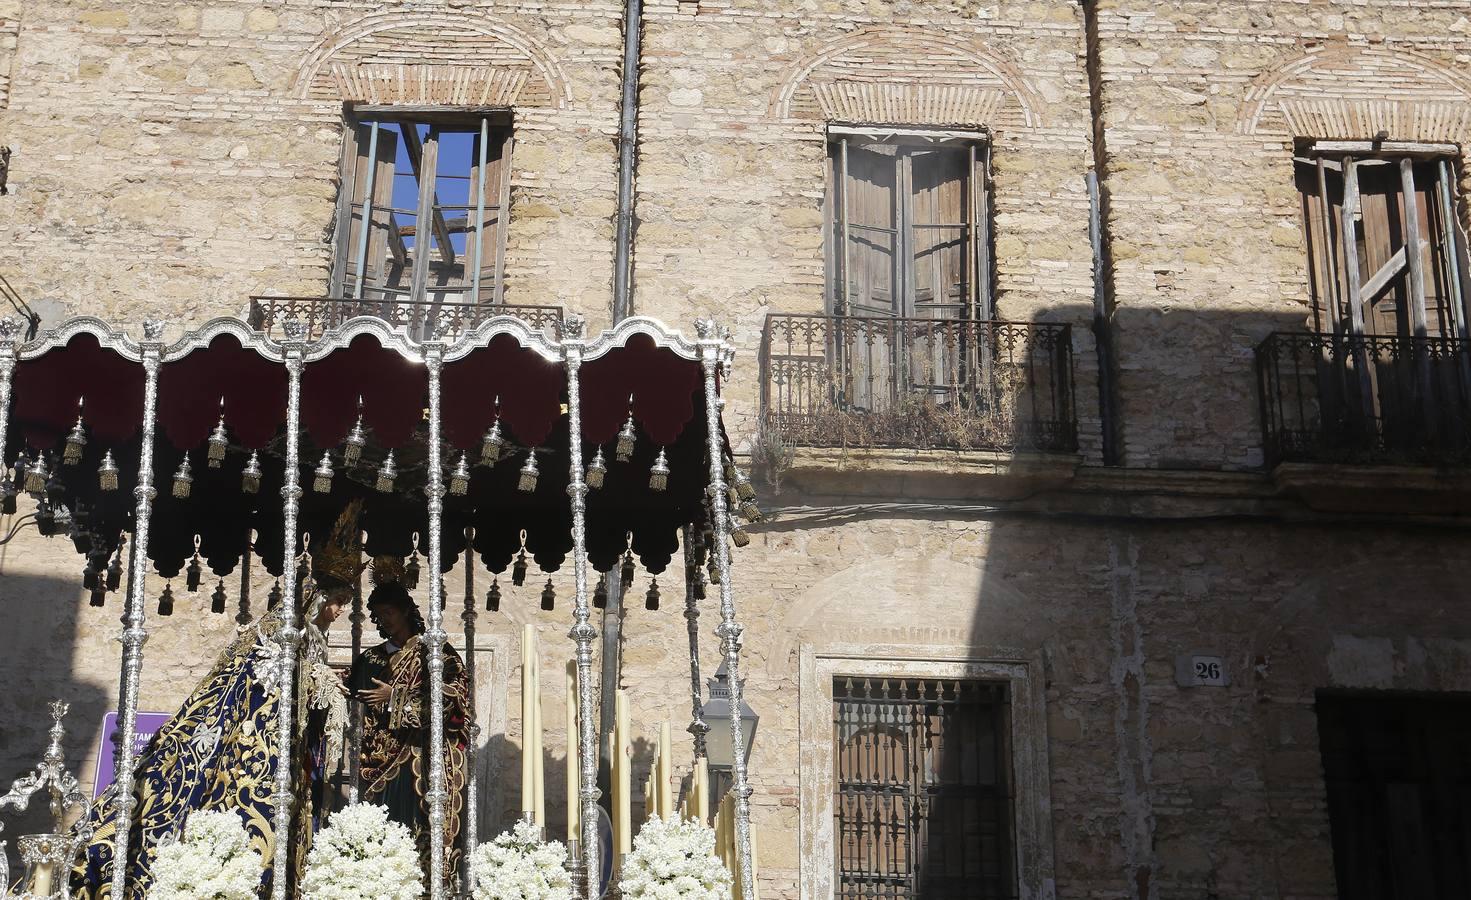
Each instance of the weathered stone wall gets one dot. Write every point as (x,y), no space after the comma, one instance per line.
(173,158)
(183,156)
(1202,102)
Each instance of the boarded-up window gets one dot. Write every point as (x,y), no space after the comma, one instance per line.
(1398,772)
(1372,291)
(922,805)
(432,192)
(908,229)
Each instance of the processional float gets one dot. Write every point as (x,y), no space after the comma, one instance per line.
(460,436)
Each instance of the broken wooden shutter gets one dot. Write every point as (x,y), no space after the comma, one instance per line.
(1380,235)
(371,261)
(485,231)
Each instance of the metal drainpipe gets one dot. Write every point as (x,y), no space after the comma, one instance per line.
(622,307)
(1103,298)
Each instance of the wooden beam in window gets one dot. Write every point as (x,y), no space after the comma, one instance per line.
(1330,250)
(1380,280)
(369,188)
(1352,285)
(1389,148)
(396,244)
(429,152)
(1449,225)
(346,176)
(1412,246)
(502,217)
(425,171)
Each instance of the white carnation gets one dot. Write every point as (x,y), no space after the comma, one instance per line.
(518,865)
(212,861)
(361,855)
(673,859)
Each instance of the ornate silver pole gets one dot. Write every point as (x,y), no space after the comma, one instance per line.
(713,354)
(355,710)
(10,331)
(294,346)
(434,635)
(698,728)
(135,635)
(583,633)
(472,783)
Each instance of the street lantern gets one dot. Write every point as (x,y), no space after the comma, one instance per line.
(716,713)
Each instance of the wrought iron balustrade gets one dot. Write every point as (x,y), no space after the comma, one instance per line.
(417,317)
(846,381)
(1365,399)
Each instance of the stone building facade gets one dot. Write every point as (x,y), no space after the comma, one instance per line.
(172,158)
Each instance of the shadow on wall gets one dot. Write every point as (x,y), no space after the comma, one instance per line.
(38,648)
(1098,607)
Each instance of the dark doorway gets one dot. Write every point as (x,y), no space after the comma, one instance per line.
(1398,771)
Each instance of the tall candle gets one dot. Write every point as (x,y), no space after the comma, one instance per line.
(41,879)
(666,770)
(574,758)
(624,816)
(702,794)
(528,722)
(538,758)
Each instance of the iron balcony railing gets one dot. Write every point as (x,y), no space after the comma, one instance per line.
(961,384)
(1365,399)
(417,317)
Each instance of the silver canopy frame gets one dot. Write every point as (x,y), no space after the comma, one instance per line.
(713,351)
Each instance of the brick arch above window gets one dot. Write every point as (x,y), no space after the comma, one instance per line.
(905,76)
(476,62)
(1354,92)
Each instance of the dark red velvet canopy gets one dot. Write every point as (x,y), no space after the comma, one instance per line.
(240,375)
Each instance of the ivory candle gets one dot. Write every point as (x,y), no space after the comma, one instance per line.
(574,759)
(702,794)
(624,816)
(666,770)
(528,721)
(41,880)
(538,759)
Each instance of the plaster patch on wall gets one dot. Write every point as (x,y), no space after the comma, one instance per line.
(1361,662)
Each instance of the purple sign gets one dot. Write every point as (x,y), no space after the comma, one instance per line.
(148,723)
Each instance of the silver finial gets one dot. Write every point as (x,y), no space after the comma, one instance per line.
(707,329)
(574,327)
(294,329)
(153,329)
(10,328)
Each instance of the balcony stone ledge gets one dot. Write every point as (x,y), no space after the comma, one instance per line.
(1332,487)
(928,474)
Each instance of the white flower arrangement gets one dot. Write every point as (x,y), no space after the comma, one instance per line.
(518,865)
(212,861)
(673,859)
(361,855)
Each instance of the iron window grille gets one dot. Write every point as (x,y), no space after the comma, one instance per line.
(923,805)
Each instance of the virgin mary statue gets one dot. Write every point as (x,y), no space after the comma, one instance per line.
(218,752)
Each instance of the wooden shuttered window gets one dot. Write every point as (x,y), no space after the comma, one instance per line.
(435,223)
(1374,290)
(909,233)
(908,243)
